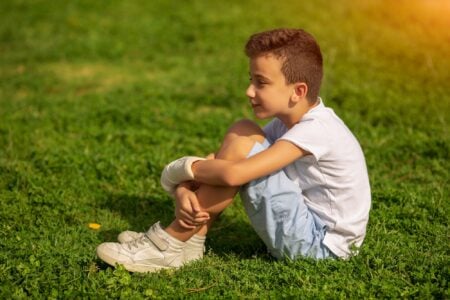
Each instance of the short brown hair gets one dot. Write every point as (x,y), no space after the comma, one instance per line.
(302,59)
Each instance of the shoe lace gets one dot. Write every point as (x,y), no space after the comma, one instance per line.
(141,241)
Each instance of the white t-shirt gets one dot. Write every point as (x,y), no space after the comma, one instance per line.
(333,179)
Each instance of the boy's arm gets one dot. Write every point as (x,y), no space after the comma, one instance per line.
(236,173)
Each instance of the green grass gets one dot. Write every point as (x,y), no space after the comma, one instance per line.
(96,96)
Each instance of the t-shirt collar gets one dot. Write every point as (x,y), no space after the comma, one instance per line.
(318,106)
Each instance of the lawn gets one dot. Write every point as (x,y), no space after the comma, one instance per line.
(97,96)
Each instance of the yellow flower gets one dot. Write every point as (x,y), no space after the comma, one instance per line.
(94,226)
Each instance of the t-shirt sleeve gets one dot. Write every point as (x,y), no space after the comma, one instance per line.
(310,135)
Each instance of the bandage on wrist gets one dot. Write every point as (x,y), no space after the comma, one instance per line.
(178,171)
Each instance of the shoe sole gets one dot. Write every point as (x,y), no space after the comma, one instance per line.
(135,268)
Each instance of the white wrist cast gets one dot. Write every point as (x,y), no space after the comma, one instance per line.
(178,171)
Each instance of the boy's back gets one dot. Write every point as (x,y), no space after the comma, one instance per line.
(333,179)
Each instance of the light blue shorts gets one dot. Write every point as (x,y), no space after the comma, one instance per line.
(280,217)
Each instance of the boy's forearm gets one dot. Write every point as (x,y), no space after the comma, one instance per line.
(213,172)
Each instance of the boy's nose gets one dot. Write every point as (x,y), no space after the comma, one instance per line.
(250,92)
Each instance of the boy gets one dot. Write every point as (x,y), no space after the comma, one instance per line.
(302,178)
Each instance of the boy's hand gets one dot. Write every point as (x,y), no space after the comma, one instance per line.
(178,171)
(187,208)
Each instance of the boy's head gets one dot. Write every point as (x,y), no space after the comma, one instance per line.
(299,52)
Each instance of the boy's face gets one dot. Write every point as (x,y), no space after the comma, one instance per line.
(268,92)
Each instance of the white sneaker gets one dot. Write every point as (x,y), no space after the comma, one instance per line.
(194,249)
(128,236)
(152,251)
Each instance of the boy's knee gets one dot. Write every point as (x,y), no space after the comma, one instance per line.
(246,128)
(237,149)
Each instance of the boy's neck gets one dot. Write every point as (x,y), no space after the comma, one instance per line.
(297,114)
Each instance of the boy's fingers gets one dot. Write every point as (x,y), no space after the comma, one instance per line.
(186,216)
(200,220)
(183,214)
(185,225)
(202,214)
(187,206)
(194,203)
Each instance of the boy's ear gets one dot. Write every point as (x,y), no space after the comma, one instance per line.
(300,91)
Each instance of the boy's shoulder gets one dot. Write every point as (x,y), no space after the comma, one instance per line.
(312,120)
(320,132)
(320,124)
(323,118)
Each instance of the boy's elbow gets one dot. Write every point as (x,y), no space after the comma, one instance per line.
(231,177)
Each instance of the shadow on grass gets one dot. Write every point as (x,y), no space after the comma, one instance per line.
(230,235)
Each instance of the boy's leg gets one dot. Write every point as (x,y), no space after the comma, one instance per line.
(277,211)
(236,145)
(158,248)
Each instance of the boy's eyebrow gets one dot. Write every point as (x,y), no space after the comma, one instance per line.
(259,76)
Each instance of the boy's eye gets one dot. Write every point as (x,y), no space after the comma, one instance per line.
(257,81)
